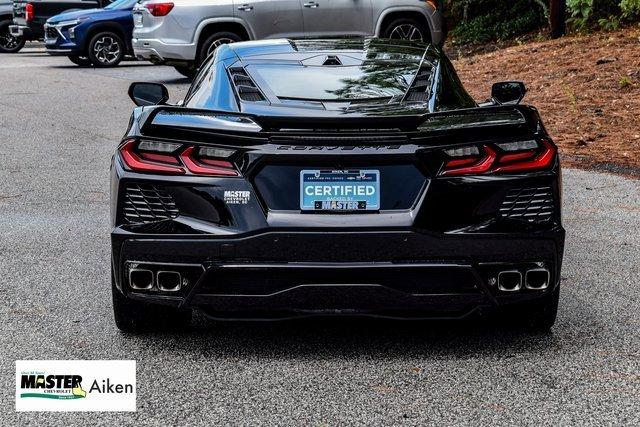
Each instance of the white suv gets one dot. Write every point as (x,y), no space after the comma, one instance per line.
(183,33)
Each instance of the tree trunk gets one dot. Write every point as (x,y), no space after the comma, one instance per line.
(557,17)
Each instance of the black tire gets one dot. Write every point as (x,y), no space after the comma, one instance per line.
(81,61)
(211,42)
(406,29)
(8,43)
(135,316)
(187,71)
(106,49)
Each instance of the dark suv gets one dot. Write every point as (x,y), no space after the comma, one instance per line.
(99,37)
(30,16)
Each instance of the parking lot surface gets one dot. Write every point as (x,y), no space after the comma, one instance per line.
(59,125)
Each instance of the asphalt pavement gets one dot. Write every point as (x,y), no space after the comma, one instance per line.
(59,125)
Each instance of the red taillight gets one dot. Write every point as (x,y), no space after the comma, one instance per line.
(28,12)
(173,159)
(205,166)
(138,163)
(471,166)
(518,157)
(159,9)
(534,161)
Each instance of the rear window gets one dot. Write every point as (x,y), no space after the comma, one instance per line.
(325,83)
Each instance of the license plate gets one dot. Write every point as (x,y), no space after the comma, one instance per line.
(340,190)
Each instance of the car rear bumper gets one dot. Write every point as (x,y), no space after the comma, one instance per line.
(284,274)
(158,52)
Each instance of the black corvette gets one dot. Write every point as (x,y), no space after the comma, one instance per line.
(348,177)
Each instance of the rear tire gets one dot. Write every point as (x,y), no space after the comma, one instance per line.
(106,49)
(81,61)
(135,316)
(9,43)
(406,29)
(212,42)
(187,71)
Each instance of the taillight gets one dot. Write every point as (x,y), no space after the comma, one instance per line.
(511,157)
(159,9)
(176,159)
(28,12)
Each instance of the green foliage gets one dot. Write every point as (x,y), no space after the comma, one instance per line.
(606,14)
(624,82)
(609,24)
(581,13)
(480,21)
(630,9)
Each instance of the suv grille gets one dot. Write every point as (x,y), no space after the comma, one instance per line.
(51,33)
(147,203)
(245,87)
(534,204)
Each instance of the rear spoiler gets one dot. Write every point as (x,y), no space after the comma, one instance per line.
(155,119)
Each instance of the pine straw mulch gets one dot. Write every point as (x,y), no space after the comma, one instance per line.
(587,89)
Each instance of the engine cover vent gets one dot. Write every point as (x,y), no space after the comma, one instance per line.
(246,88)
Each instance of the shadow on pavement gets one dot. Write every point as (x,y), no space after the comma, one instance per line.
(351,338)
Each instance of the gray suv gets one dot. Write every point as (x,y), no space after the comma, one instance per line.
(8,43)
(183,33)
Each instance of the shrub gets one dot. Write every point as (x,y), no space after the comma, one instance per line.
(480,21)
(630,9)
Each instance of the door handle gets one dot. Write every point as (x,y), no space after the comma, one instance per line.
(245,7)
(312,5)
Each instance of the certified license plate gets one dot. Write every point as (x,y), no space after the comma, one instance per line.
(340,190)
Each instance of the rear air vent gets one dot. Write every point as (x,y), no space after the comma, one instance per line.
(420,89)
(245,86)
(332,60)
(147,203)
(534,204)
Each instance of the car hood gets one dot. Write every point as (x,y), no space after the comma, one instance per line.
(76,14)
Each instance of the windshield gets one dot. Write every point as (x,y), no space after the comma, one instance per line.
(122,5)
(375,79)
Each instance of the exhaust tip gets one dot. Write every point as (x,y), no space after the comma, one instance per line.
(537,279)
(510,281)
(169,281)
(140,279)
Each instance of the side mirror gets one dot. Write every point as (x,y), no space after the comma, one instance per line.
(143,94)
(508,93)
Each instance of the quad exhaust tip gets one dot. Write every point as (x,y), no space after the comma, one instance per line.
(169,281)
(510,281)
(141,279)
(534,279)
(537,279)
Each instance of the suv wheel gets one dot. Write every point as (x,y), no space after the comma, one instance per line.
(405,29)
(9,43)
(106,49)
(135,316)
(81,61)
(213,41)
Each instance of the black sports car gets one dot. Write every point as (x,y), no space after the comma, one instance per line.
(334,177)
